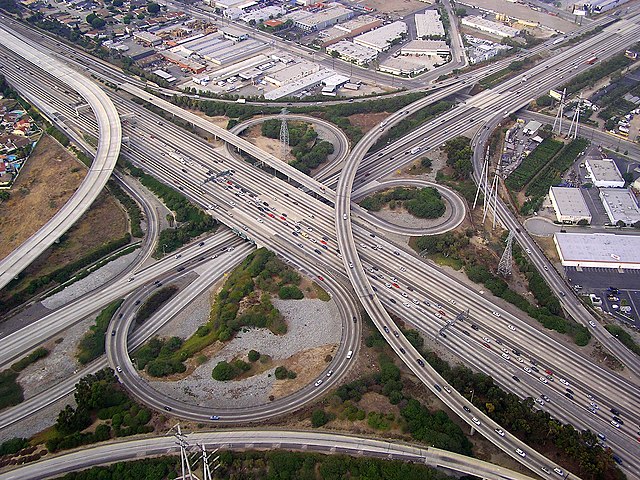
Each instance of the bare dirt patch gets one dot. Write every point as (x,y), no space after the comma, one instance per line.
(397,7)
(254,135)
(307,365)
(366,121)
(45,184)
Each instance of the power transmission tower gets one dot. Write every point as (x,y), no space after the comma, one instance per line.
(560,113)
(185,461)
(504,267)
(575,121)
(284,135)
(484,179)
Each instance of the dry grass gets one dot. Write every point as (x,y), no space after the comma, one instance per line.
(45,184)
(366,121)
(308,365)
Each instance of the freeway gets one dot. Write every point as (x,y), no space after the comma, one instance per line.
(317,441)
(99,172)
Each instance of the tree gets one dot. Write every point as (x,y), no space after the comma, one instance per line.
(281,373)
(153,8)
(319,418)
(224,371)
(253,356)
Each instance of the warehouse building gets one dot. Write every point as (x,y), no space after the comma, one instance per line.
(262,14)
(494,28)
(531,128)
(620,205)
(598,250)
(349,29)
(218,49)
(382,38)
(353,53)
(296,86)
(569,205)
(426,48)
(429,25)
(604,173)
(325,18)
(404,66)
(147,39)
(292,73)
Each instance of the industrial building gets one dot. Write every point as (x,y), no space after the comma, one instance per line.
(598,250)
(597,6)
(620,205)
(291,73)
(382,38)
(331,15)
(569,205)
(429,25)
(296,86)
(349,29)
(493,28)
(353,53)
(147,39)
(222,5)
(218,48)
(532,127)
(262,14)
(183,62)
(428,48)
(404,66)
(234,34)
(604,173)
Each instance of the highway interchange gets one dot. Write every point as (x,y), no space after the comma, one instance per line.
(363,251)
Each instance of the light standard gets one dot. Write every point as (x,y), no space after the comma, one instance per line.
(472,392)
(164,245)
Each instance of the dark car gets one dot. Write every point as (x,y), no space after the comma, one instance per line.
(385,328)
(466,332)
(443,335)
(516,378)
(113,333)
(615,411)
(437,387)
(619,420)
(420,362)
(355,320)
(180,269)
(466,409)
(137,302)
(475,327)
(168,409)
(402,350)
(568,395)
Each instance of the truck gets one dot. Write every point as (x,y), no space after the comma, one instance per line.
(558,40)
(241,100)
(592,60)
(414,150)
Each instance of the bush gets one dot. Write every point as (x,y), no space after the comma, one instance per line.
(154,302)
(13,445)
(290,292)
(280,373)
(33,357)
(253,356)
(92,343)
(223,372)
(11,392)
(319,418)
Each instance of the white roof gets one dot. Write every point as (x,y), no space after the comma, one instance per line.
(489,26)
(297,85)
(429,24)
(570,201)
(381,37)
(622,205)
(335,80)
(357,52)
(426,46)
(598,248)
(604,170)
(358,22)
(532,126)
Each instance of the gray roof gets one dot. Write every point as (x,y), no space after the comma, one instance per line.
(599,247)
(570,201)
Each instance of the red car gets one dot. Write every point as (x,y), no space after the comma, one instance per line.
(395,285)
(271,215)
(283,219)
(323,242)
(441,312)
(321,278)
(487,345)
(548,372)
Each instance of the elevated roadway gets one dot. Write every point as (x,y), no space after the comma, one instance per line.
(108,148)
(315,441)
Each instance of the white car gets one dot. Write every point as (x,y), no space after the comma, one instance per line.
(404,294)
(417,302)
(388,285)
(329,373)
(318,383)
(447,389)
(500,432)
(512,328)
(495,314)
(615,424)
(118,369)
(540,401)
(592,323)
(402,269)
(437,315)
(527,369)
(506,356)
(559,471)
(520,359)
(563,381)
(521,453)
(528,250)
(486,339)
(452,301)
(407,305)
(594,405)
(350,264)
(475,420)
(543,380)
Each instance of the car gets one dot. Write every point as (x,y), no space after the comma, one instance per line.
(350,264)
(385,328)
(475,420)
(447,389)
(506,356)
(544,397)
(396,252)
(569,391)
(512,328)
(475,327)
(318,383)
(515,378)
(540,401)
(568,395)
(521,453)
(443,335)
(498,341)
(535,369)
(615,424)
(602,437)
(329,373)
(118,369)
(548,372)
(180,269)
(466,332)
(393,300)
(214,417)
(321,278)
(543,380)
(403,351)
(619,420)
(437,387)
(593,410)
(406,304)
(495,314)
(344,216)
(615,411)
(466,409)
(395,285)
(528,250)
(617,459)
(546,470)
(405,294)
(559,471)
(486,345)
(563,381)
(168,409)
(355,320)
(137,302)
(499,431)
(486,339)
(388,285)
(527,369)
(420,362)
(201,244)
(417,302)
(396,334)
(592,323)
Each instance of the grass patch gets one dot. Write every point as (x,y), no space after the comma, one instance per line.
(133,210)
(92,344)
(154,302)
(30,359)
(321,293)
(624,337)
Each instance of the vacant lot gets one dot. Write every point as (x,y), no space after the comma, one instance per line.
(47,181)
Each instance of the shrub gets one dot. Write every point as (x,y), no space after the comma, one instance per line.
(224,371)
(319,418)
(253,356)
(281,373)
(290,292)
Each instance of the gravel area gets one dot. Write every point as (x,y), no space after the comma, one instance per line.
(185,323)
(59,364)
(311,323)
(37,422)
(92,281)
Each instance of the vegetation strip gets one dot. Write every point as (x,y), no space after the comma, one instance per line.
(92,344)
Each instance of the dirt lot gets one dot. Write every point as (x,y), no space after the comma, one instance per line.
(394,7)
(103,222)
(47,181)
(366,121)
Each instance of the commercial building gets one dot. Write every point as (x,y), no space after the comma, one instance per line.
(147,39)
(382,38)
(598,250)
(234,34)
(331,15)
(292,73)
(598,6)
(532,127)
(225,4)
(262,14)
(349,29)
(493,28)
(620,205)
(183,62)
(353,53)
(569,205)
(604,173)
(404,66)
(296,86)
(428,48)
(218,48)
(429,25)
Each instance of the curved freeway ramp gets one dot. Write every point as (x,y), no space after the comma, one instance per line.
(261,439)
(110,135)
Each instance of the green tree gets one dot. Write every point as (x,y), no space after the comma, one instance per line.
(253,355)
(319,418)
(153,8)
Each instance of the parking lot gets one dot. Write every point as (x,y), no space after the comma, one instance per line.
(598,280)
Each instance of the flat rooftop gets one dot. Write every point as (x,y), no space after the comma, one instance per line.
(621,204)
(604,248)
(570,201)
(604,170)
